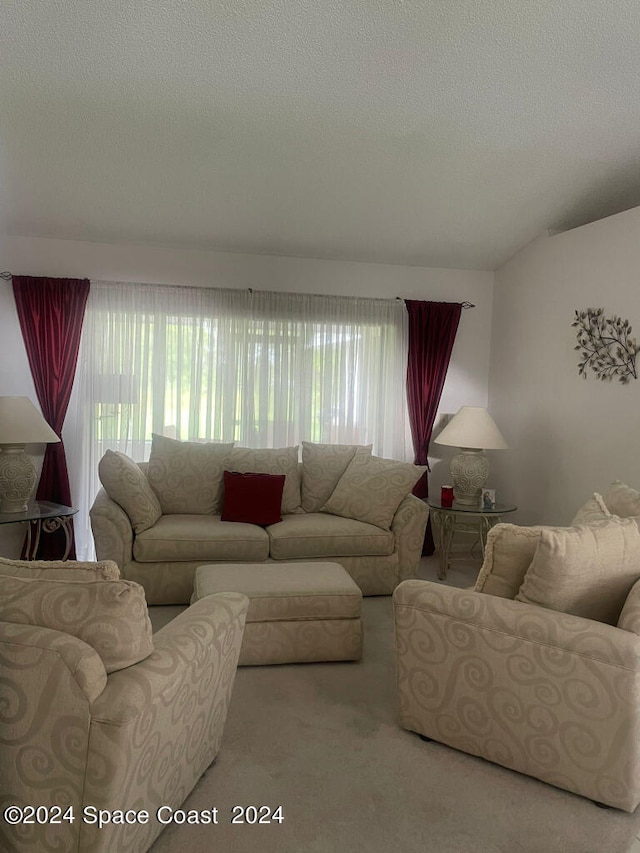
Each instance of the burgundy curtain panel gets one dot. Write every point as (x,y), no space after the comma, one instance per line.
(51,312)
(432,332)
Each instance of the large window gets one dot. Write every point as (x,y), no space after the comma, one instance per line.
(258,368)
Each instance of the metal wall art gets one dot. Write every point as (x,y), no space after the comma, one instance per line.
(605,345)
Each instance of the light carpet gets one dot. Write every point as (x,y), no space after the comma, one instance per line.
(323,741)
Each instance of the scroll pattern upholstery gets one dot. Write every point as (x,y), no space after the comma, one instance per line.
(187,475)
(170,582)
(408,526)
(548,694)
(53,570)
(143,742)
(317,534)
(279,460)
(112,532)
(42,752)
(110,616)
(129,487)
(373,488)
(304,641)
(322,467)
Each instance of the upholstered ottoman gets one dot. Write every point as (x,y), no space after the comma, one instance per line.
(298,612)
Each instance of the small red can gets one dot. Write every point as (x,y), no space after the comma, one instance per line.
(446,496)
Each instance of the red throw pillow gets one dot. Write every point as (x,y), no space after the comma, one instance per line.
(253,498)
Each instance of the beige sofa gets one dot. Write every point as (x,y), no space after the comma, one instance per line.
(538,667)
(100,714)
(162,520)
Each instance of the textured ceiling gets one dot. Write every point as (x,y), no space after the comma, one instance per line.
(447,133)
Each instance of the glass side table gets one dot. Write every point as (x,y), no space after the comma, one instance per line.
(42,516)
(462,519)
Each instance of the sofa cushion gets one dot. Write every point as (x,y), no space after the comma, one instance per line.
(372,489)
(252,498)
(509,552)
(622,500)
(280,460)
(187,475)
(322,467)
(180,538)
(59,570)
(318,534)
(587,571)
(125,484)
(110,616)
(593,511)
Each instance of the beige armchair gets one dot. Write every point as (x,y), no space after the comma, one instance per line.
(85,729)
(551,695)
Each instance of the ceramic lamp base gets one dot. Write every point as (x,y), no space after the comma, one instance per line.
(469,472)
(17,478)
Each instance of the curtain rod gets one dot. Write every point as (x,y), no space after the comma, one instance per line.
(464,304)
(7,276)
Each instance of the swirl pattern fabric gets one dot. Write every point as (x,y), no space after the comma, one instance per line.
(110,616)
(143,741)
(279,460)
(129,487)
(166,581)
(372,488)
(59,570)
(508,554)
(322,467)
(548,694)
(187,475)
(308,611)
(587,570)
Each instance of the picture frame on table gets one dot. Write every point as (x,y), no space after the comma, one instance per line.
(488,499)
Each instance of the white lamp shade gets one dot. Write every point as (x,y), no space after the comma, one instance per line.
(22,423)
(472,427)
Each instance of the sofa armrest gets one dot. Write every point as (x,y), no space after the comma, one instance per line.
(112,531)
(408,526)
(549,694)
(48,681)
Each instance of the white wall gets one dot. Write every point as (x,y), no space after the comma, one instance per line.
(568,436)
(468,377)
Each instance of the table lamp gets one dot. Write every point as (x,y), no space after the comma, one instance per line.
(20,424)
(473,430)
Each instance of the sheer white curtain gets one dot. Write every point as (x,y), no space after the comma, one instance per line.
(262,369)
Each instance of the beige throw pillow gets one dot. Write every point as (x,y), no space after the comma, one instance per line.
(593,511)
(278,460)
(587,571)
(622,500)
(508,554)
(372,489)
(125,484)
(322,467)
(110,616)
(187,476)
(59,570)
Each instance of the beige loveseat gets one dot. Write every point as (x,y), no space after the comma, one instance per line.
(98,713)
(160,520)
(538,667)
